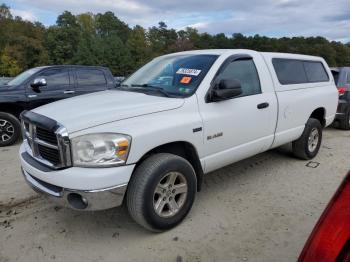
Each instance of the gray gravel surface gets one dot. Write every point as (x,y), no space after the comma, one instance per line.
(260,209)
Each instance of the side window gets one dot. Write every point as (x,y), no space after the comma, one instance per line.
(245,72)
(91,77)
(55,77)
(290,71)
(315,72)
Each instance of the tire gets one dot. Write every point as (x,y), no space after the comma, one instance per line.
(301,147)
(142,197)
(345,123)
(10,129)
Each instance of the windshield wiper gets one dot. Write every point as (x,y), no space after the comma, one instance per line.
(152,88)
(140,88)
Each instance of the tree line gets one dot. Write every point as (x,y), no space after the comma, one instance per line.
(103,39)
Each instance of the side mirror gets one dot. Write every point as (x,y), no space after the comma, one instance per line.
(118,80)
(38,82)
(225,89)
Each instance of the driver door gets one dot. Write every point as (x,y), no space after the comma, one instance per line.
(241,126)
(58,87)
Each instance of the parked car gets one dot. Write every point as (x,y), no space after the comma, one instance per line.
(43,85)
(149,145)
(342,80)
(330,239)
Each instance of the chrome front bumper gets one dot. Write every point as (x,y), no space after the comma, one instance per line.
(78,199)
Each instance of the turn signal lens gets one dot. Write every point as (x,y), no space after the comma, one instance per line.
(122,149)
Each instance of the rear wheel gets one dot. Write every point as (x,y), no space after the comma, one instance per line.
(10,129)
(345,123)
(308,145)
(161,192)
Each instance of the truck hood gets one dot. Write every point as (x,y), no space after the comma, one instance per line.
(95,109)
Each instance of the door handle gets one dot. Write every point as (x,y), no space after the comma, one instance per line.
(32,96)
(263,105)
(69,92)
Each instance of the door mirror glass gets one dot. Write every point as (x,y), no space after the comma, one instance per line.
(39,82)
(225,89)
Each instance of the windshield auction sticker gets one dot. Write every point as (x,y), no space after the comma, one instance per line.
(185,80)
(188,71)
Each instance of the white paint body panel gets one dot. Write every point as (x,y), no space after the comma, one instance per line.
(246,129)
(298,101)
(94,109)
(152,121)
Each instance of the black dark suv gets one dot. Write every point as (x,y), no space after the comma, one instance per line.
(43,85)
(342,80)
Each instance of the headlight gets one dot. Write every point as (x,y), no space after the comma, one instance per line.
(100,150)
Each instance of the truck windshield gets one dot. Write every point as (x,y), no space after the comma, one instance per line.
(173,76)
(22,77)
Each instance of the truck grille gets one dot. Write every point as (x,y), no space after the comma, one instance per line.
(49,154)
(48,145)
(46,136)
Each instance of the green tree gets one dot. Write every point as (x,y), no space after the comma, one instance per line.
(87,50)
(108,23)
(138,46)
(115,54)
(61,40)
(21,42)
(161,38)
(8,65)
(87,23)
(5,12)
(103,39)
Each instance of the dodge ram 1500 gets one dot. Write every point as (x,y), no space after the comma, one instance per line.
(149,142)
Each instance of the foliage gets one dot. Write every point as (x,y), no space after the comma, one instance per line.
(8,64)
(103,39)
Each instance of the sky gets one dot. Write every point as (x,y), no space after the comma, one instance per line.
(273,18)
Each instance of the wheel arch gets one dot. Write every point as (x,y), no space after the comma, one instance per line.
(183,149)
(11,108)
(320,115)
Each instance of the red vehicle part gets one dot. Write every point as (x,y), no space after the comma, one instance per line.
(330,239)
(341,90)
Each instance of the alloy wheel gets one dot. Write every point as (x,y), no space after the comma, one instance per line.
(313,139)
(7,130)
(170,194)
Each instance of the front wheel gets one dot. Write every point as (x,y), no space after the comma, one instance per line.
(161,191)
(10,129)
(308,145)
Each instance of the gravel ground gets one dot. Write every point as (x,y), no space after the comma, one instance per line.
(260,209)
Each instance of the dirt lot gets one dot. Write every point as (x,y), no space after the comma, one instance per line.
(260,209)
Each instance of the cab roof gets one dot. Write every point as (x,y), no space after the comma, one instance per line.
(77,66)
(248,51)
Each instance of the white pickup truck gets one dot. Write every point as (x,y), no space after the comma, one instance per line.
(149,142)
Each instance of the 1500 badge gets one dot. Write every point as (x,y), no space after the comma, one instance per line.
(215,136)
